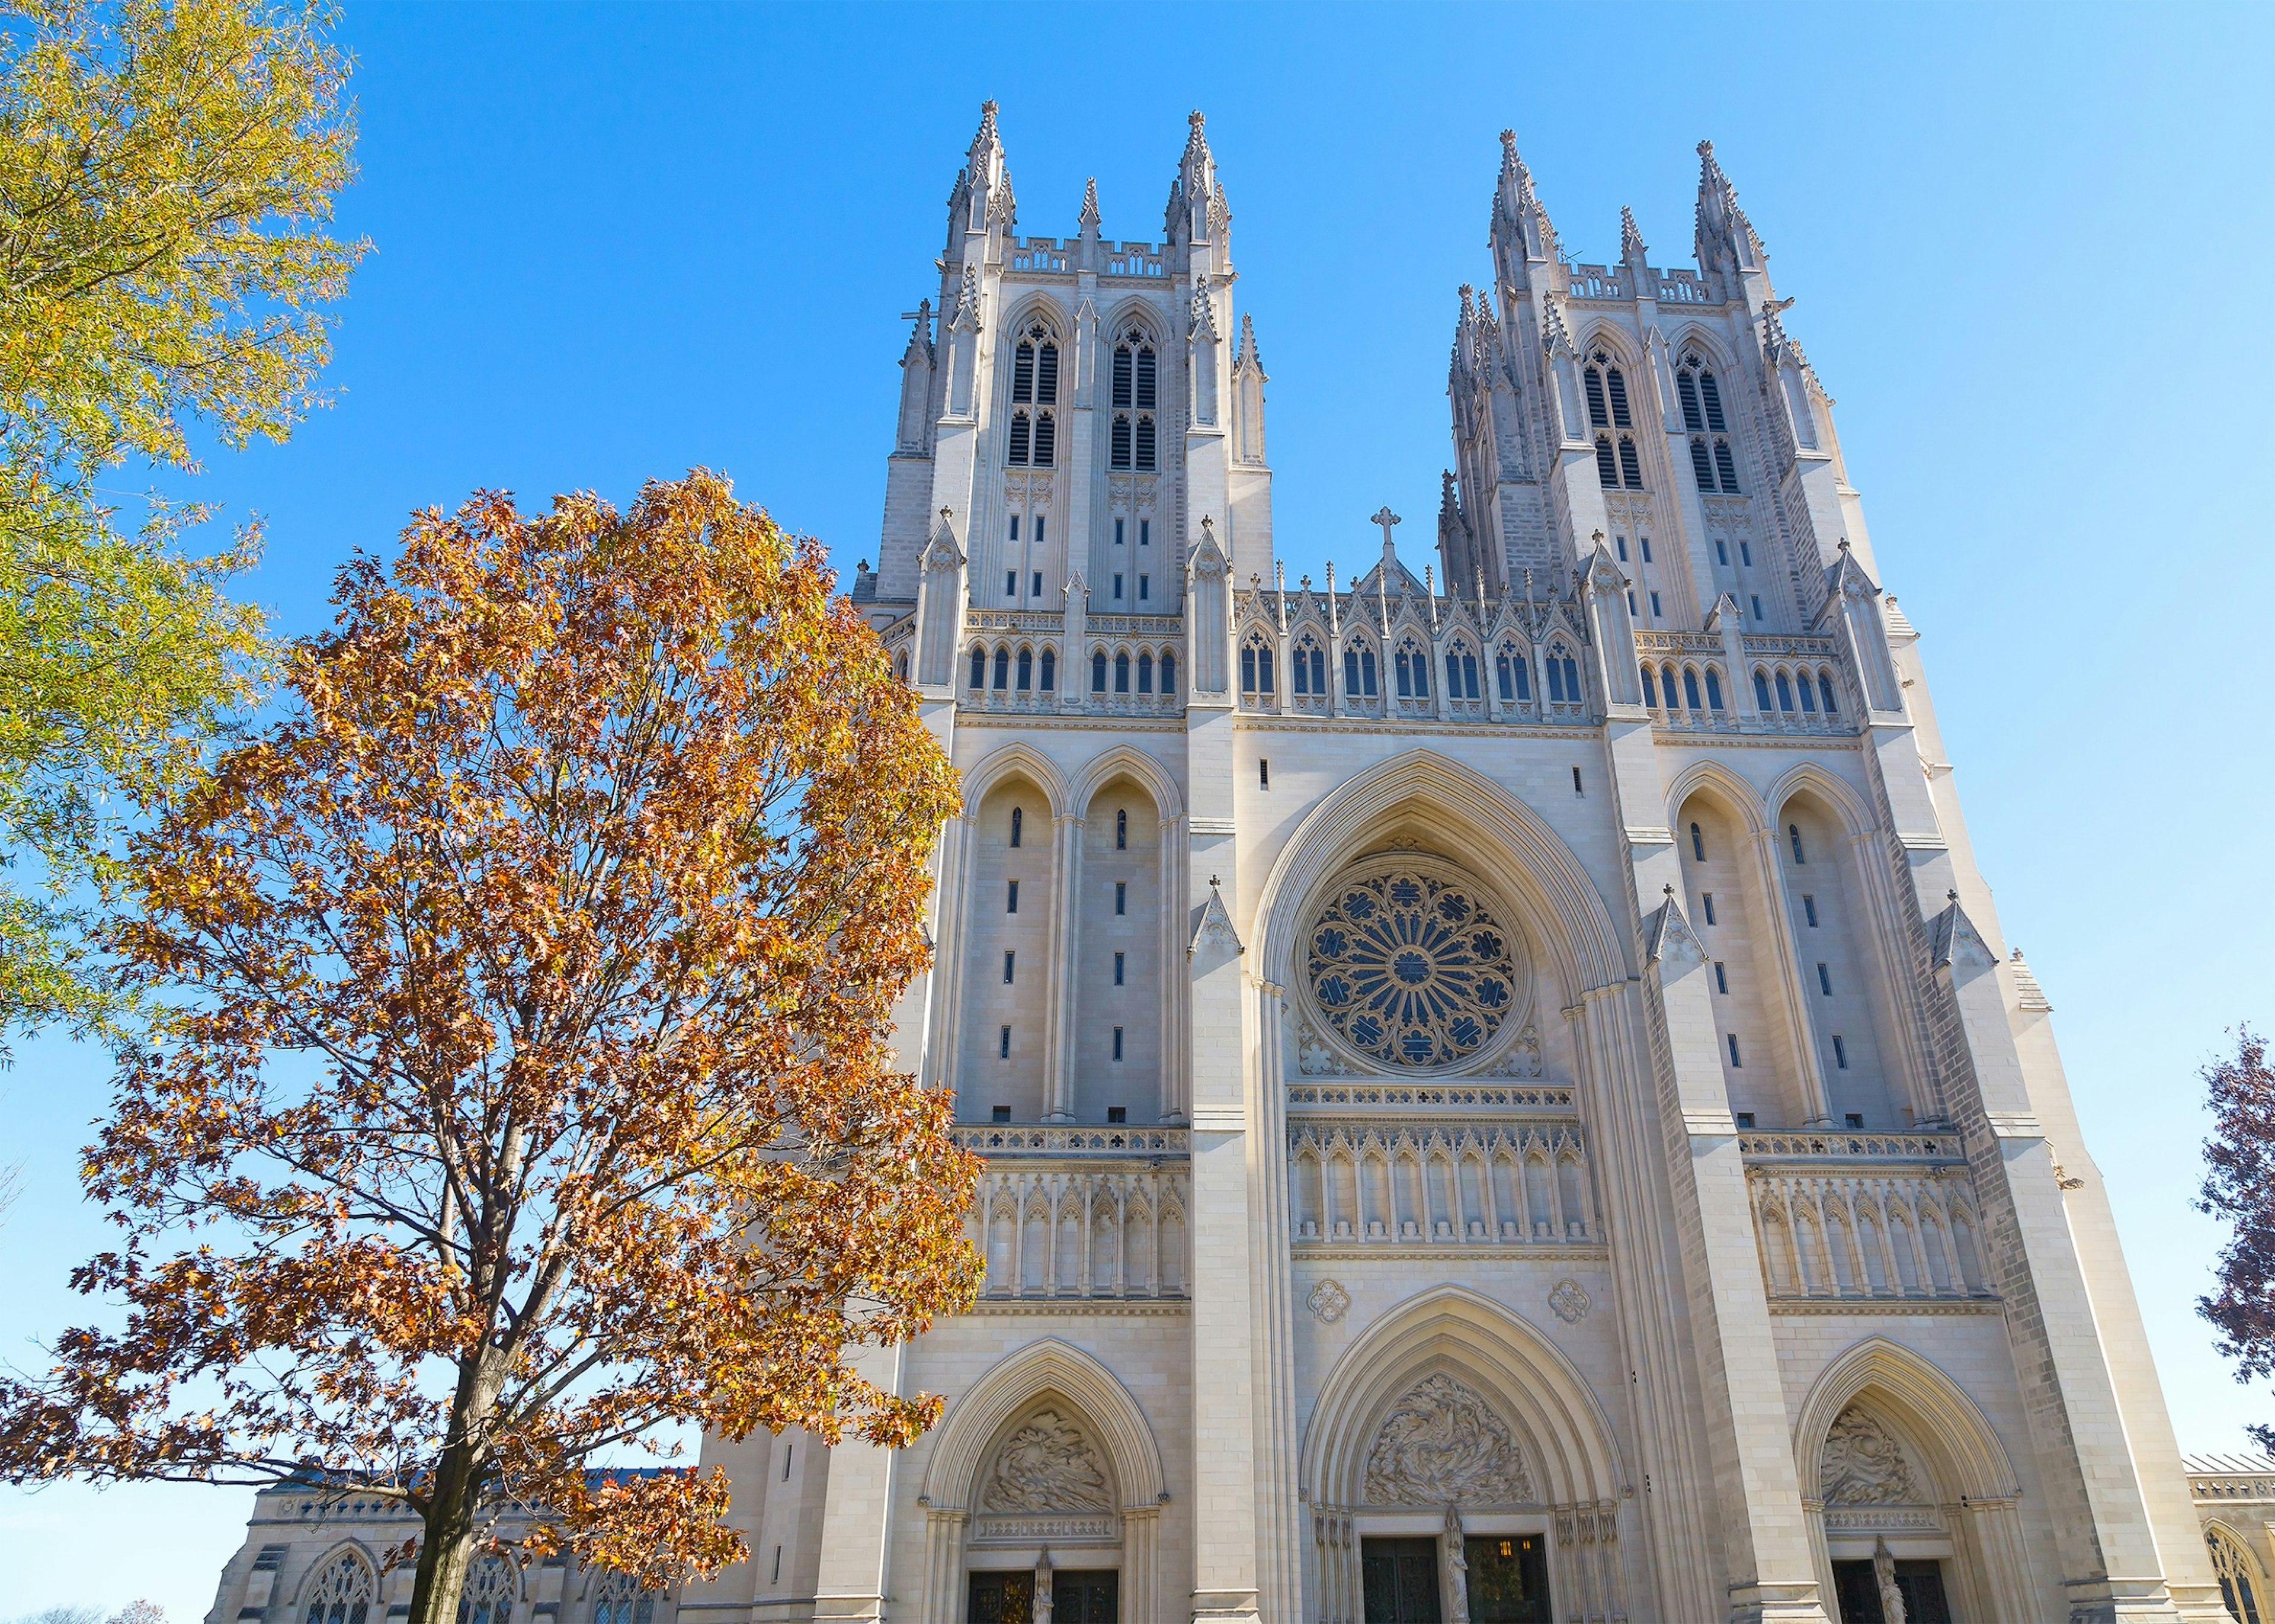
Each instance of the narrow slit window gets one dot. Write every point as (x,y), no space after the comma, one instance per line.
(1840,1062)
(1011,897)
(1121,896)
(1706,905)
(1808,910)
(1722,552)
(1018,818)
(1697,843)
(1737,1061)
(1721,978)
(1576,788)
(1010,959)
(1119,959)
(1117,1043)
(1122,830)
(1003,1052)
(1823,979)
(1792,834)
(1757,597)
(1263,773)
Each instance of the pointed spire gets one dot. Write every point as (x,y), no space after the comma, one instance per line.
(983,189)
(1197,209)
(1726,237)
(1632,243)
(1521,229)
(1090,216)
(919,348)
(1245,358)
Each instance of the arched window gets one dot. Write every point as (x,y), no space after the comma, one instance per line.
(900,667)
(1002,668)
(1690,685)
(1792,834)
(1563,675)
(1461,673)
(1026,669)
(1136,395)
(1761,689)
(2239,1575)
(1121,672)
(1710,460)
(342,1592)
(1050,670)
(488,1595)
(978,665)
(1169,672)
(1358,670)
(1309,668)
(1785,692)
(1651,690)
(1824,692)
(617,1600)
(1018,820)
(1098,672)
(1145,672)
(1607,388)
(1413,671)
(1808,692)
(1034,383)
(1122,830)
(1257,662)
(1697,844)
(1515,673)
(1713,689)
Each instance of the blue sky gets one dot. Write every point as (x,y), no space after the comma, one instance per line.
(2032,250)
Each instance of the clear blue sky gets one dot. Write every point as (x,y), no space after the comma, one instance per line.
(2033,249)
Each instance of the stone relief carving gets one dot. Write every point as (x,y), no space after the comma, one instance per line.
(1314,1057)
(1328,1301)
(1046,1465)
(1442,1443)
(1864,1465)
(1569,1301)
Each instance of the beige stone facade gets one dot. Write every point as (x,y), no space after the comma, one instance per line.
(1505,1094)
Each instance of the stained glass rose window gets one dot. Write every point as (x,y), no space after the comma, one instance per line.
(1411,967)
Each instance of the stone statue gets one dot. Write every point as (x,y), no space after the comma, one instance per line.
(1884,1571)
(1457,1569)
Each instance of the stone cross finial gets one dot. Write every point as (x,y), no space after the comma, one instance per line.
(1385,517)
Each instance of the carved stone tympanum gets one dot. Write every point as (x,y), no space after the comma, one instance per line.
(1047,1464)
(1443,1444)
(1864,1465)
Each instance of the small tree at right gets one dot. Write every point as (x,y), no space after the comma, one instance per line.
(2238,1187)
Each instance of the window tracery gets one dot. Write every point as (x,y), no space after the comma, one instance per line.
(1409,966)
(1033,438)
(1712,462)
(342,1592)
(1618,463)
(1136,396)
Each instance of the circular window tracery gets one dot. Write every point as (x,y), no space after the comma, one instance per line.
(1411,966)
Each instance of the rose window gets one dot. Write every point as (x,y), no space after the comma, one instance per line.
(1410,968)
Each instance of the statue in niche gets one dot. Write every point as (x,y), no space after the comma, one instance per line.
(1864,1465)
(1046,1465)
(1443,1445)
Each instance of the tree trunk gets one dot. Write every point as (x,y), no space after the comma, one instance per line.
(446,1551)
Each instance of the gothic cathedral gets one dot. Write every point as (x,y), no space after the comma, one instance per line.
(1504,1095)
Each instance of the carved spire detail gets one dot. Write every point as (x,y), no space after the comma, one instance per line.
(1632,243)
(1090,216)
(1246,359)
(1725,239)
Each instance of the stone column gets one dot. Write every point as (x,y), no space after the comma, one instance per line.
(1777,905)
(850,1585)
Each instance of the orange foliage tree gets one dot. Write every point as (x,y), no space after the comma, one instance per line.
(521,1086)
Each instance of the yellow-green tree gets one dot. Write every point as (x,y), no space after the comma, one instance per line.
(167,172)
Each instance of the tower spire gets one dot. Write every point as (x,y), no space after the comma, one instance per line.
(1725,239)
(1521,230)
(1197,212)
(983,187)
(1089,217)
(1632,243)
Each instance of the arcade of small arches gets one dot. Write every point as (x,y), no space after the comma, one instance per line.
(343,1587)
(1420,675)
(1020,673)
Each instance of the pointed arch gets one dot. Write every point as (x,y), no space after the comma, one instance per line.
(1737,797)
(321,1568)
(1127,761)
(1038,305)
(1840,797)
(1964,1454)
(1016,760)
(1566,1436)
(1467,811)
(1048,1369)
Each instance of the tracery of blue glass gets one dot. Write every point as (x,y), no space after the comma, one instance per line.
(1411,969)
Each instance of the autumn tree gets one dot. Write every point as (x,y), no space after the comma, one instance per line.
(166,174)
(521,1086)
(2238,1189)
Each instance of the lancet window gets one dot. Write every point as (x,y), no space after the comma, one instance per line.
(1563,675)
(1137,390)
(1461,672)
(1358,670)
(1413,670)
(1033,439)
(1618,463)
(1259,665)
(1513,673)
(1711,463)
(343,1593)
(1308,670)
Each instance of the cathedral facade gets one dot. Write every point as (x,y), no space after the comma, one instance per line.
(1504,1095)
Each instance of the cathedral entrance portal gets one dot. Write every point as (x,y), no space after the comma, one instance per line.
(1508,1579)
(1078,1595)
